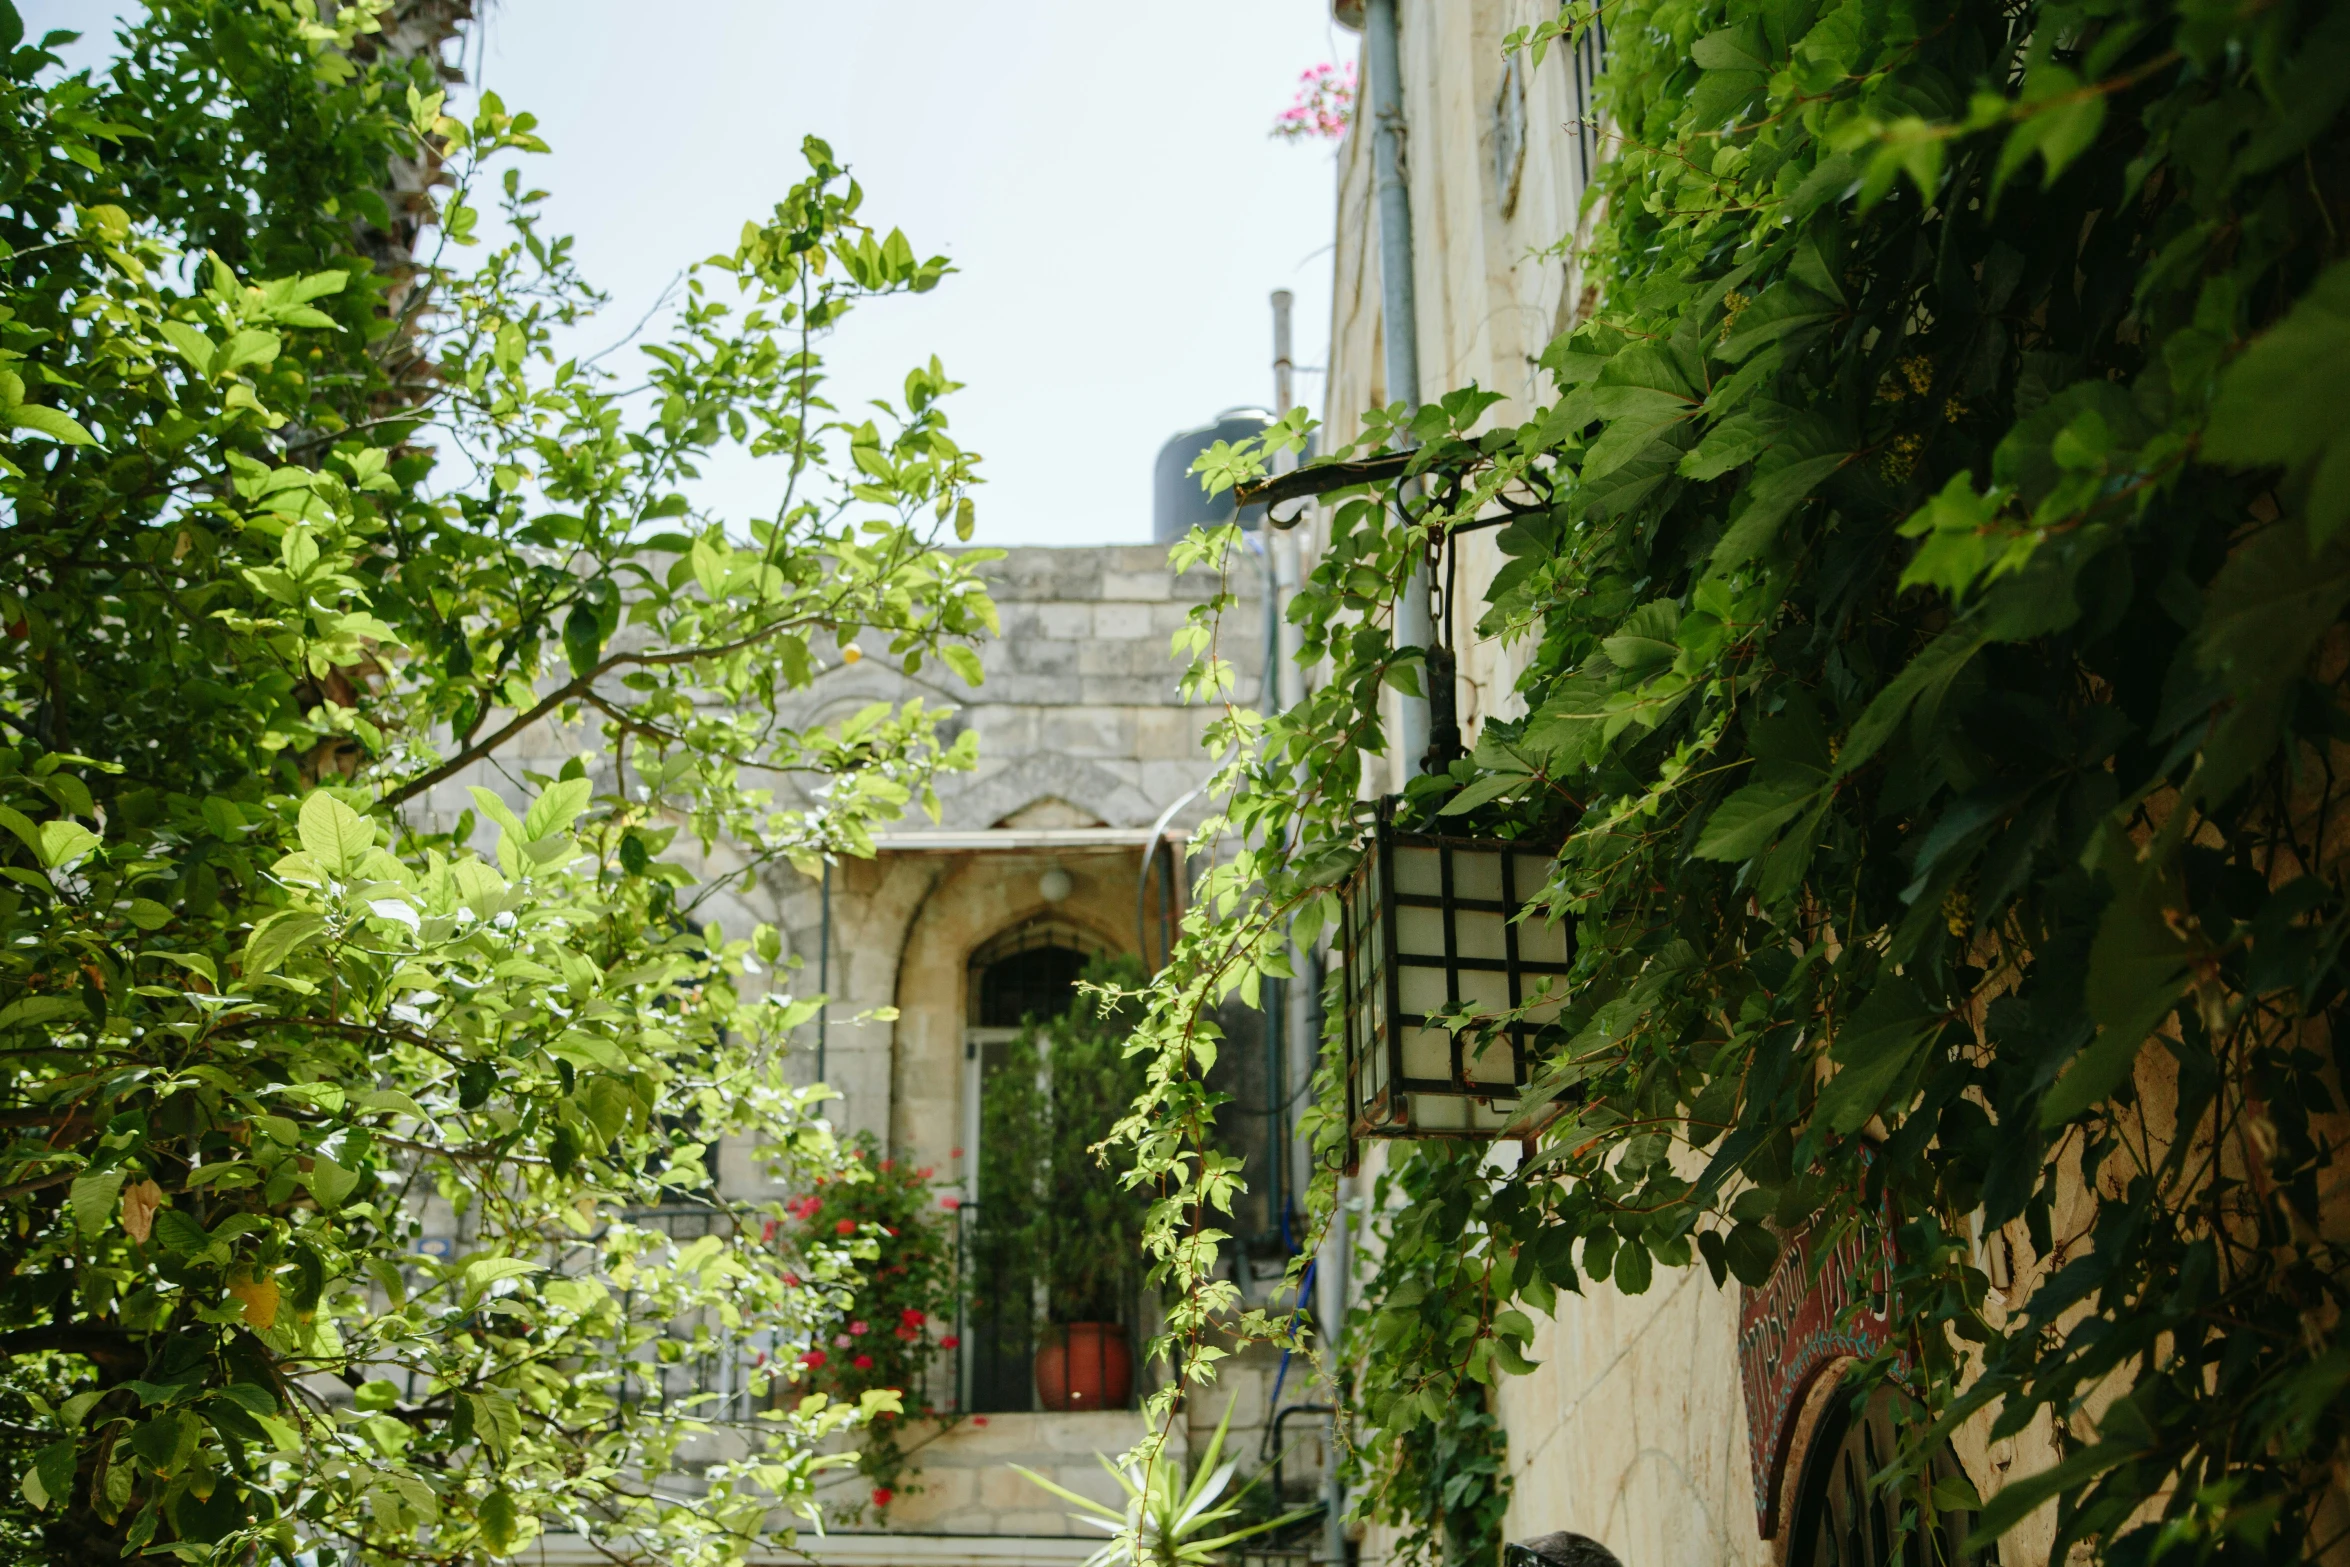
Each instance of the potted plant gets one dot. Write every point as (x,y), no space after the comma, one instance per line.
(1057,1227)
(1167,1521)
(900,1295)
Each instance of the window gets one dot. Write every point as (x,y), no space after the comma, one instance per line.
(1840,1521)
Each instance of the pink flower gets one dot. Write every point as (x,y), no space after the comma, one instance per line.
(812,1358)
(842,1341)
(856,1330)
(803,1207)
(791,1281)
(950,1203)
(863,1362)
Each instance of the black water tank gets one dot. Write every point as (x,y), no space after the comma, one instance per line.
(1178,504)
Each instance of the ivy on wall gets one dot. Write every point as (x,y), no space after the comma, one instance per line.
(1932,565)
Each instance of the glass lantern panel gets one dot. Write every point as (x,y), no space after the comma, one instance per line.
(1420,990)
(1485,990)
(1419,932)
(1480,935)
(1491,1116)
(1439,1112)
(1418,873)
(1547,1011)
(1542,940)
(1476,873)
(1495,1064)
(1427,1054)
(1374,1059)
(1531,871)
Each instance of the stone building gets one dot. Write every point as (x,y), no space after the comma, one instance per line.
(1065,843)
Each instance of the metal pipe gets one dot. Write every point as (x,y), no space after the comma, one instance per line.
(1399,329)
(824,970)
(1330,1271)
(1280,1419)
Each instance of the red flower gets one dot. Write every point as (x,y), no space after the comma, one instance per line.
(979,1420)
(889,1164)
(952,1342)
(956,1153)
(923,1174)
(950,1203)
(863,1362)
(812,1358)
(912,1316)
(881,1495)
(845,1227)
(803,1207)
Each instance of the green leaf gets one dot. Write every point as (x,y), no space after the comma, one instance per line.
(336,836)
(2280,402)
(60,427)
(1769,499)
(32,1011)
(49,1478)
(1874,1049)
(328,1183)
(500,1529)
(1745,824)
(963,661)
(93,1196)
(1789,312)
(279,937)
(63,842)
(1921,684)
(1752,1252)
(557,808)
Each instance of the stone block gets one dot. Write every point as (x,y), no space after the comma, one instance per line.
(1038,1522)
(1068,622)
(1038,656)
(1146,586)
(1089,731)
(1164,734)
(1002,1491)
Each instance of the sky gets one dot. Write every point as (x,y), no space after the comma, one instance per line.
(1102,175)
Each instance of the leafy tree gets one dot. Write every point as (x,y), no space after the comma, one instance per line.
(1933,569)
(306,521)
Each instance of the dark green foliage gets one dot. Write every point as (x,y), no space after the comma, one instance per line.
(1935,566)
(1062,1086)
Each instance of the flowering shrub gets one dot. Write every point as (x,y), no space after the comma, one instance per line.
(1324,106)
(883,1325)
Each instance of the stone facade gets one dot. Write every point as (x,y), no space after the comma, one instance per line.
(1085,746)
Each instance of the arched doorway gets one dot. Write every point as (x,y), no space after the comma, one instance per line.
(1025,975)
(1841,1521)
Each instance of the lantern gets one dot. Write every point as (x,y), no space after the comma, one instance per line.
(1432,931)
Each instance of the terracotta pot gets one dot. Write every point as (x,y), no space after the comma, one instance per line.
(1089,1366)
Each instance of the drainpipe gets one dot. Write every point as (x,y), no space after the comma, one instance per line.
(1302,1021)
(824,970)
(1399,327)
